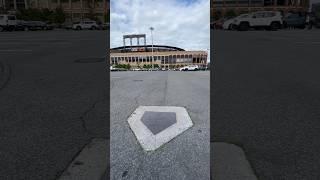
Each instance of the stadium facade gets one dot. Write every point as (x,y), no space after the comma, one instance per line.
(167,57)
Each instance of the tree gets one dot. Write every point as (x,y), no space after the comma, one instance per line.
(46,15)
(106,17)
(91,14)
(2,10)
(230,13)
(30,14)
(216,15)
(59,16)
(128,66)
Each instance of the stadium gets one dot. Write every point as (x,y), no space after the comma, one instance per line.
(167,57)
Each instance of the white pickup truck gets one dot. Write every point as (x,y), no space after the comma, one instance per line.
(7,22)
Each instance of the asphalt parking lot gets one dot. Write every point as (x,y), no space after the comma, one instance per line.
(53,100)
(185,157)
(265,99)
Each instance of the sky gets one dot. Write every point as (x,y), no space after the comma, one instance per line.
(181,23)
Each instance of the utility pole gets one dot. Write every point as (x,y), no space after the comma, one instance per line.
(151,29)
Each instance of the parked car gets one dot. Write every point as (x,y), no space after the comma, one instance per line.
(203,68)
(49,26)
(136,69)
(228,24)
(296,20)
(7,22)
(315,15)
(217,24)
(36,25)
(270,20)
(104,26)
(85,25)
(190,68)
(67,25)
(19,26)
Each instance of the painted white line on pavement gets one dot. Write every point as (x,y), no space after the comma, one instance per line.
(308,42)
(91,163)
(150,141)
(15,50)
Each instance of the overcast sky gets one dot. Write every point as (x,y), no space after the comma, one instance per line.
(181,23)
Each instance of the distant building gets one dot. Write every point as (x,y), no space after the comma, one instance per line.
(168,57)
(75,9)
(244,6)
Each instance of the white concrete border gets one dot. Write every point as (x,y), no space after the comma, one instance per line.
(146,138)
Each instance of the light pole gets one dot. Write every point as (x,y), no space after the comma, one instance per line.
(151,29)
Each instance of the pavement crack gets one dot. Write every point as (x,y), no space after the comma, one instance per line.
(5,74)
(111,84)
(84,114)
(136,99)
(165,91)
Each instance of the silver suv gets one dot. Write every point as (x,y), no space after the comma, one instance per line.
(85,25)
(270,20)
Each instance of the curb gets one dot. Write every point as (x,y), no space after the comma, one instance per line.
(229,162)
(91,163)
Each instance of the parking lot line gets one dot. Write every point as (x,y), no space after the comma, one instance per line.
(15,50)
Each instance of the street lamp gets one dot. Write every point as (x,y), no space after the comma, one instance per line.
(151,29)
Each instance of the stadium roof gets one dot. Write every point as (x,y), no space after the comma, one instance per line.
(145,48)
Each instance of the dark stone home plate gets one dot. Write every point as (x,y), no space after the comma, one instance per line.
(158,121)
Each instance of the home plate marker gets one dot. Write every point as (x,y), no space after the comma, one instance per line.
(156,125)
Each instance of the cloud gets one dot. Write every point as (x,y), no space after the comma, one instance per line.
(181,23)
